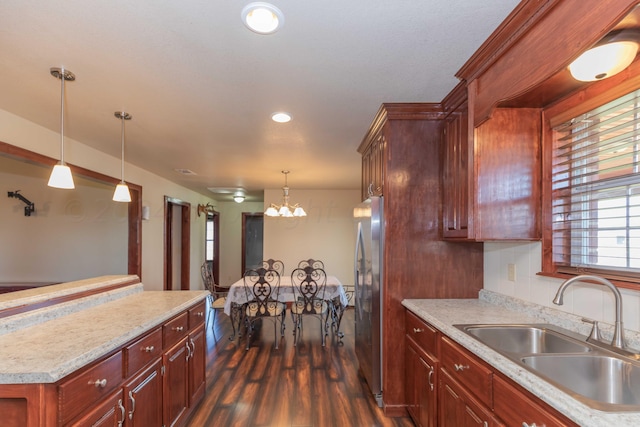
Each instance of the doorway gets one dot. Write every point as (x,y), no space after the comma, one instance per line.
(212,243)
(252,235)
(177,225)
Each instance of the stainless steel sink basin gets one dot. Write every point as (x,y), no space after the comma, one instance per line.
(525,339)
(600,381)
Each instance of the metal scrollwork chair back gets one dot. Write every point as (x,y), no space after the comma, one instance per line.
(262,287)
(309,286)
(274,264)
(313,263)
(217,294)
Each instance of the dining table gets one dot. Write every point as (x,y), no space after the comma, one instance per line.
(334,294)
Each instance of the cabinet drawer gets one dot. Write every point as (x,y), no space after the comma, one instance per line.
(514,407)
(83,389)
(196,315)
(143,351)
(463,367)
(175,329)
(423,334)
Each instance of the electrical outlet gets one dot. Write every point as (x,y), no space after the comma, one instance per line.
(511,272)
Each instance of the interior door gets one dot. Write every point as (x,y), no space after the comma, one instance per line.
(252,238)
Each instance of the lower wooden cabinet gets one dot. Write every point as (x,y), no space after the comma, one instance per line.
(155,380)
(466,390)
(142,396)
(458,408)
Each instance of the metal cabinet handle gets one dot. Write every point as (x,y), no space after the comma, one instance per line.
(417,330)
(460,367)
(148,349)
(133,405)
(122,410)
(189,353)
(429,379)
(200,314)
(528,425)
(99,383)
(178,328)
(485,424)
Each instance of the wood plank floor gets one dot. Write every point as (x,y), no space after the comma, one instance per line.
(303,386)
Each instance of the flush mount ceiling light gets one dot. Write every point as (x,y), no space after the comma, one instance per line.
(285,210)
(262,18)
(238,197)
(615,52)
(122,194)
(281,117)
(61,174)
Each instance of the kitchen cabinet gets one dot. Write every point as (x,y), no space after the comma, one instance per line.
(416,262)
(421,372)
(467,391)
(373,167)
(492,175)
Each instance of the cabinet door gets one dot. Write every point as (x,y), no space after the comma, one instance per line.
(410,389)
(143,396)
(197,366)
(420,386)
(459,409)
(456,176)
(175,387)
(108,413)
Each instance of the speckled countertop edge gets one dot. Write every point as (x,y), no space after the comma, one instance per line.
(44,293)
(47,352)
(495,308)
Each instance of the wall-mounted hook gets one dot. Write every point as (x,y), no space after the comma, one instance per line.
(30,208)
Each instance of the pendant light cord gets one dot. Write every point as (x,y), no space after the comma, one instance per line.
(62,78)
(122,154)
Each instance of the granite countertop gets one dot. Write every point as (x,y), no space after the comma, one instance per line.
(494,308)
(48,351)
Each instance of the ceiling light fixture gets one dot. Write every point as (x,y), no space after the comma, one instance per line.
(285,210)
(61,174)
(238,197)
(122,194)
(615,52)
(262,18)
(281,117)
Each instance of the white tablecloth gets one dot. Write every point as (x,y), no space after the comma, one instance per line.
(238,294)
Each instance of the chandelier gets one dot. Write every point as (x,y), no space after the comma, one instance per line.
(285,209)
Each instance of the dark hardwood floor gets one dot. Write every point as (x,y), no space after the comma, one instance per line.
(303,386)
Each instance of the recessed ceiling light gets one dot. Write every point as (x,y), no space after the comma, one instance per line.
(281,117)
(262,18)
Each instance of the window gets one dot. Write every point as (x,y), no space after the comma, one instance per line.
(595,191)
(209,239)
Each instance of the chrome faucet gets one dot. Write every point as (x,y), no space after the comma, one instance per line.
(618,335)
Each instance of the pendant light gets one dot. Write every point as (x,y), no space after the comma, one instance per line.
(122,194)
(61,174)
(285,210)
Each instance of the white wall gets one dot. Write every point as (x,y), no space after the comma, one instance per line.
(591,301)
(19,132)
(327,232)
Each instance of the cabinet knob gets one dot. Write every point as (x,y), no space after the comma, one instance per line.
(528,425)
(200,314)
(99,383)
(178,328)
(460,367)
(417,330)
(148,349)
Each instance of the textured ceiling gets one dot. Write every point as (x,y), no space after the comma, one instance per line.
(201,87)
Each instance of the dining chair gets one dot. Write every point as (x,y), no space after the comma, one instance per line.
(262,287)
(217,294)
(313,263)
(274,264)
(309,286)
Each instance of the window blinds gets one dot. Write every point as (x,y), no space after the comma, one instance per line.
(596,190)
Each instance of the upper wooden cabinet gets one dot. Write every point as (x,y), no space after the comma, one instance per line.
(491,174)
(373,166)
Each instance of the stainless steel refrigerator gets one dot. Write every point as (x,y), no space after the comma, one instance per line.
(369,221)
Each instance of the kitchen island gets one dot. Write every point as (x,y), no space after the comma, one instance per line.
(83,352)
(493,308)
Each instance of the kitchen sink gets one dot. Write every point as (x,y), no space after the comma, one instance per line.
(590,372)
(525,339)
(601,381)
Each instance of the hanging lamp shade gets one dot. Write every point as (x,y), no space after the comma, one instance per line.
(285,210)
(121,193)
(61,174)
